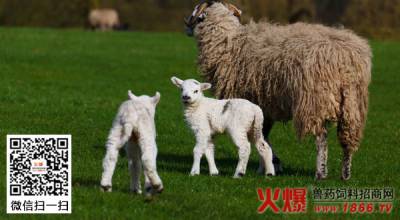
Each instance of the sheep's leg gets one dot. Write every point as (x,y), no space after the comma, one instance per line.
(346,165)
(117,138)
(198,152)
(241,141)
(135,166)
(210,158)
(322,156)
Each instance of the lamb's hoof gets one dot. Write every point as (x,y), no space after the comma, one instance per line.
(106,188)
(194,173)
(157,189)
(320,176)
(136,191)
(214,173)
(238,176)
(270,174)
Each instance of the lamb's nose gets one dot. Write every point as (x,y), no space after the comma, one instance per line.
(185,97)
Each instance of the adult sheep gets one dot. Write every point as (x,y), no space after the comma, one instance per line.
(104,19)
(306,72)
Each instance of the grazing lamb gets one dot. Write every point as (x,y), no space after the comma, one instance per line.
(104,19)
(134,125)
(239,117)
(309,73)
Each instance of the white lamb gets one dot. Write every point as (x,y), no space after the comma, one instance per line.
(239,117)
(134,125)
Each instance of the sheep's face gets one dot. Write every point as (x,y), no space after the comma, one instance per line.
(147,102)
(199,14)
(191,90)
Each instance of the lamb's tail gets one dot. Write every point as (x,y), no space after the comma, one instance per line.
(263,147)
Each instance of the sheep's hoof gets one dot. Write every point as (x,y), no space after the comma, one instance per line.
(106,188)
(346,177)
(278,167)
(270,174)
(320,176)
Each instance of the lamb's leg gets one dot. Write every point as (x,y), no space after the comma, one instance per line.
(265,153)
(322,156)
(210,158)
(198,152)
(135,166)
(243,145)
(150,169)
(117,138)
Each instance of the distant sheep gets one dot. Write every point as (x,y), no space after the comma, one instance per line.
(134,125)
(309,73)
(238,117)
(104,19)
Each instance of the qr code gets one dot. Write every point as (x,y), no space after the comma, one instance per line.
(39,171)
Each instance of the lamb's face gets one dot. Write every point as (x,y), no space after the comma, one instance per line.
(191,90)
(199,13)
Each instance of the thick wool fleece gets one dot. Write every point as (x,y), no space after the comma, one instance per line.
(309,73)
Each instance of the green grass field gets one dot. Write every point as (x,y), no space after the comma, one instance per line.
(72,82)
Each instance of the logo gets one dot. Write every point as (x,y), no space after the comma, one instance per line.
(39,166)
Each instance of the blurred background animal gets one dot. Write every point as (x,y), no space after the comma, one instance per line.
(104,19)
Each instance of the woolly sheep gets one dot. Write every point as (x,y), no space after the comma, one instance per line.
(134,126)
(238,117)
(104,19)
(306,72)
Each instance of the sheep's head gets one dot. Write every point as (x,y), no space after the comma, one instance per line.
(149,103)
(191,90)
(199,14)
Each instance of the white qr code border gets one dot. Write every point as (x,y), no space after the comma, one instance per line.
(50,203)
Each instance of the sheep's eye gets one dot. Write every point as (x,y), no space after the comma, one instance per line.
(196,91)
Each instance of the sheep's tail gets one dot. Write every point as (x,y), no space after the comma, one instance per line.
(352,120)
(263,148)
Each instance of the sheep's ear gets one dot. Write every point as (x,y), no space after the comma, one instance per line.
(237,12)
(131,95)
(156,98)
(177,82)
(205,86)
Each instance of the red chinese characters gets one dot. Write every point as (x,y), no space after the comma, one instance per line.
(294,200)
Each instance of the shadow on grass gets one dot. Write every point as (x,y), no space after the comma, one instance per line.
(182,164)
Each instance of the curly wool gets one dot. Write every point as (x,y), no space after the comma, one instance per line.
(306,72)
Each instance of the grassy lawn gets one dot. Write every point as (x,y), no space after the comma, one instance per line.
(72,82)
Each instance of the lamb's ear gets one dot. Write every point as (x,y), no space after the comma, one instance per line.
(131,95)
(156,98)
(237,12)
(205,86)
(177,82)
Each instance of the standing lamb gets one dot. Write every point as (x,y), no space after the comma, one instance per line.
(134,125)
(309,73)
(104,19)
(207,117)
